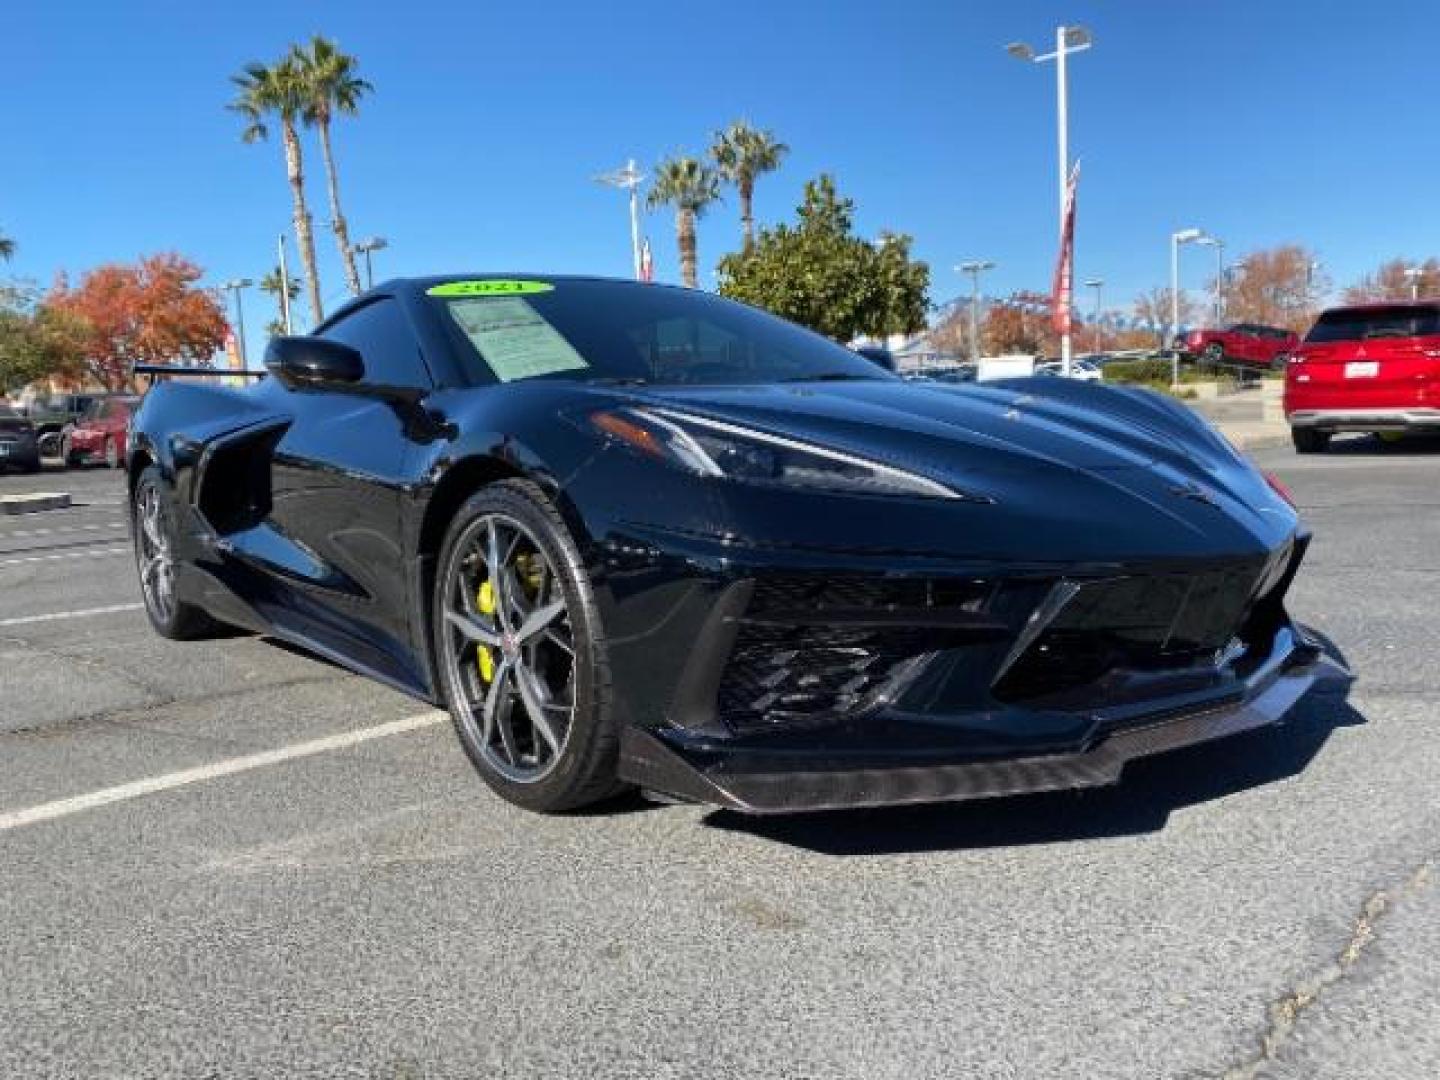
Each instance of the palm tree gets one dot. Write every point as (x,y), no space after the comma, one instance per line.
(742,153)
(331,86)
(7,247)
(279,90)
(690,186)
(270,283)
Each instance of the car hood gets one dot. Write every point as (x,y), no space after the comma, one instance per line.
(1023,442)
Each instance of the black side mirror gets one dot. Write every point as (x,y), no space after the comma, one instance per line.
(313,361)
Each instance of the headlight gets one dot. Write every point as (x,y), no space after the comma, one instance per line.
(713,448)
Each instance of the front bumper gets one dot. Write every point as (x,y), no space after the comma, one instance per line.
(761,782)
(1401,419)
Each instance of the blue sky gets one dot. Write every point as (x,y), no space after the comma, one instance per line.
(1263,122)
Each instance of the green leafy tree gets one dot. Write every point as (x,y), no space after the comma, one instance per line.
(280,91)
(690,186)
(331,86)
(36,341)
(271,284)
(820,274)
(741,153)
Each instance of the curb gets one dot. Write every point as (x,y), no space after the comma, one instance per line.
(34,503)
(1262,442)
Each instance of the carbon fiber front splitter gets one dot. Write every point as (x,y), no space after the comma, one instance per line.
(748,783)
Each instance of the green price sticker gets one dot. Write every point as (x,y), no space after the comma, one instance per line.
(489,288)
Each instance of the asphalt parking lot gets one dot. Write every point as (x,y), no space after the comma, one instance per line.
(353,902)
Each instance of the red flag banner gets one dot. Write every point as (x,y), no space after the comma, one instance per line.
(1062,289)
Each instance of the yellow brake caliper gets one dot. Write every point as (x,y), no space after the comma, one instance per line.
(485,603)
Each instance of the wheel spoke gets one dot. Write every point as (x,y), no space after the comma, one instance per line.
(539,619)
(499,690)
(535,708)
(495,566)
(473,630)
(554,638)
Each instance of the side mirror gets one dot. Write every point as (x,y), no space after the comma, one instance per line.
(313,361)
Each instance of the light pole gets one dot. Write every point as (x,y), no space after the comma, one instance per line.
(975,268)
(1068,39)
(284,285)
(1097,284)
(233,286)
(1219,246)
(629,179)
(1184,236)
(366,246)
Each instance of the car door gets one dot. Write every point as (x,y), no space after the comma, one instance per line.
(336,482)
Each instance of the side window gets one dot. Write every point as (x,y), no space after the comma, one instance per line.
(381,334)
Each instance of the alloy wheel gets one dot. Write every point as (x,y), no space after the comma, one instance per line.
(157,568)
(509,648)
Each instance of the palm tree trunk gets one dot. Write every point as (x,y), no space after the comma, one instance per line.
(337,219)
(301,214)
(685,233)
(747,216)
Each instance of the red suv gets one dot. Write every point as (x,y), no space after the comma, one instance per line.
(100,434)
(1244,343)
(1374,367)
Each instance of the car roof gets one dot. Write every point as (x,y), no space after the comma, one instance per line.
(1384,305)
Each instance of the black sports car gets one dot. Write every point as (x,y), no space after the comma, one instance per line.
(638,535)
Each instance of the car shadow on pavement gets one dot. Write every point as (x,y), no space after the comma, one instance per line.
(1149,792)
(1374,446)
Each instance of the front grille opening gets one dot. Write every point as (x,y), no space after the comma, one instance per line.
(806,656)
(235,492)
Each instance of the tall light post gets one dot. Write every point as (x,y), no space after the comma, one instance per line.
(1184,236)
(233,286)
(365,247)
(284,284)
(975,268)
(1219,246)
(1097,284)
(1414,273)
(629,179)
(1068,39)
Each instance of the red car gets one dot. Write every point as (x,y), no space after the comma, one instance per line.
(1374,367)
(1243,343)
(100,434)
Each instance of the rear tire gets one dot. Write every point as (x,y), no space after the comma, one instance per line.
(533,713)
(1214,353)
(153,533)
(1309,441)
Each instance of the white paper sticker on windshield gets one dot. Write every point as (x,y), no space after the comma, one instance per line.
(512,337)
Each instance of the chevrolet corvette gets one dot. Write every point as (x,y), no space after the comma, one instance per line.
(632,535)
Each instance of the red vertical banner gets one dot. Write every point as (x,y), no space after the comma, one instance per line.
(1062,289)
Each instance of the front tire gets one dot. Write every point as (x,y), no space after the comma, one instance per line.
(1214,353)
(520,652)
(152,530)
(1309,441)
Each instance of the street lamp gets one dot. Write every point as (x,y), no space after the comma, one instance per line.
(1219,246)
(1097,284)
(1068,39)
(233,286)
(975,268)
(1184,236)
(366,246)
(629,179)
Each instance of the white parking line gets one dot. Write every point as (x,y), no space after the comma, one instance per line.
(25,620)
(95,554)
(60,530)
(33,815)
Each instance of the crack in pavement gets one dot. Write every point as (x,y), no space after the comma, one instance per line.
(1285,1014)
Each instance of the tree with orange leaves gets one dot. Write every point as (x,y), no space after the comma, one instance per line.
(148,312)
(1397,279)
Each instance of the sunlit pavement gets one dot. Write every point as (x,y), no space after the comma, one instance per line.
(215,859)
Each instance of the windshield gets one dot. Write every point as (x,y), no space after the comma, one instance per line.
(611,331)
(1359,324)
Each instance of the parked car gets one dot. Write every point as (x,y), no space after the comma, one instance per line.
(1084,370)
(1373,367)
(54,414)
(19,443)
(1243,343)
(100,435)
(636,535)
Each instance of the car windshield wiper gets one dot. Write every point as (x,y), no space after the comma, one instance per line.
(619,380)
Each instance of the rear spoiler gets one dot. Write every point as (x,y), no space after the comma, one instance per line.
(192,369)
